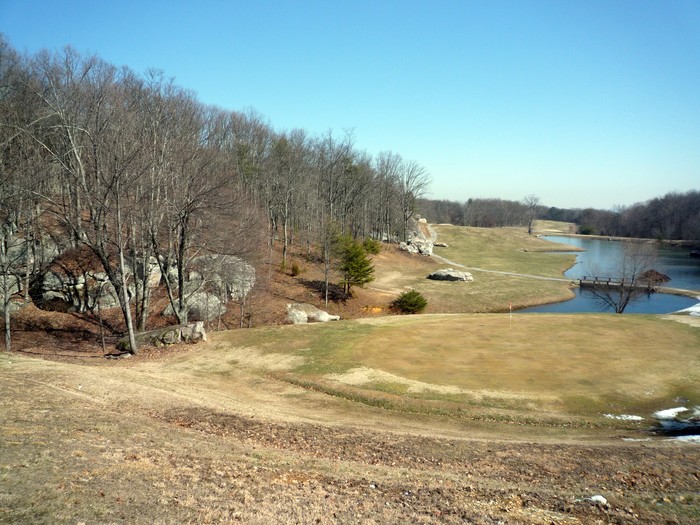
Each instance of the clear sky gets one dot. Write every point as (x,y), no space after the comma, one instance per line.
(582,103)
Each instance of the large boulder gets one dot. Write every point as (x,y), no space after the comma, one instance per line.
(170,335)
(417,246)
(448,274)
(420,237)
(300,313)
(202,306)
(58,289)
(230,276)
(212,281)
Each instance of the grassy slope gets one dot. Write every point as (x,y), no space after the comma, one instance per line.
(499,249)
(570,366)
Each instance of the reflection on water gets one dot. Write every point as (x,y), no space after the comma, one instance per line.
(599,259)
(585,301)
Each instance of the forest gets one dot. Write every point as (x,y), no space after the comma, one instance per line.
(675,216)
(132,171)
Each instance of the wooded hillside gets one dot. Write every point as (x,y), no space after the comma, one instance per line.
(138,172)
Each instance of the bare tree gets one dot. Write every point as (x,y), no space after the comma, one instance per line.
(87,131)
(630,277)
(532,202)
(413,183)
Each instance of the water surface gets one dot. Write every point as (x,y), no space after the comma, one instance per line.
(599,258)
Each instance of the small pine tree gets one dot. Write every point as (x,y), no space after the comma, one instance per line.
(411,302)
(355,264)
(372,246)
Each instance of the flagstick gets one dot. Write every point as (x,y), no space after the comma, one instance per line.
(510,315)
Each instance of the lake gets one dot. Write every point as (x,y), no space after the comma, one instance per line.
(599,259)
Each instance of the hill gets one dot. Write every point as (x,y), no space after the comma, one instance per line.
(439,418)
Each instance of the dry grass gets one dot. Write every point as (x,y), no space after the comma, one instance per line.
(553,227)
(210,434)
(573,365)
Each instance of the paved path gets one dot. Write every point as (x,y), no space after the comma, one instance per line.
(514,274)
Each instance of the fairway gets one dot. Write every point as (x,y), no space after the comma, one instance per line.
(571,365)
(508,265)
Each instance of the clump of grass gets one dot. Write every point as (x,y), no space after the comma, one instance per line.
(296,269)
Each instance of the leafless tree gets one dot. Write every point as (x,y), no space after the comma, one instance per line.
(413,182)
(532,202)
(85,129)
(629,280)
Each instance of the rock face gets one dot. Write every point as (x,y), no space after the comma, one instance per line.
(417,246)
(299,313)
(170,335)
(57,289)
(449,274)
(213,281)
(418,241)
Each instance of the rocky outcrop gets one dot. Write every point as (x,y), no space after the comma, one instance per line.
(212,282)
(417,246)
(170,335)
(448,274)
(201,306)
(420,237)
(299,313)
(57,289)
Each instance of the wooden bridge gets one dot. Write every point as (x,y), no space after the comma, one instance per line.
(596,282)
(612,282)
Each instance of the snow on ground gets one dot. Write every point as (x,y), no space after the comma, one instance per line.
(669,413)
(624,417)
(691,310)
(687,439)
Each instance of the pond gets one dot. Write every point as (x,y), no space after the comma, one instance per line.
(599,259)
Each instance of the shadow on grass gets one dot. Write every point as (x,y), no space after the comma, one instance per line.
(335,293)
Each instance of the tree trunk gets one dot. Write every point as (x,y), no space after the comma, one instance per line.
(126,307)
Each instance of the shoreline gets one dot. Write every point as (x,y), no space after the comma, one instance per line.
(667,242)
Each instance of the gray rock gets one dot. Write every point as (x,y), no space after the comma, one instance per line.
(201,306)
(181,333)
(229,275)
(449,274)
(300,313)
(406,247)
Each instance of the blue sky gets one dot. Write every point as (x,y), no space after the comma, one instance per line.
(587,103)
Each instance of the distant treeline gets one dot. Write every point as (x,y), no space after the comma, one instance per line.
(673,216)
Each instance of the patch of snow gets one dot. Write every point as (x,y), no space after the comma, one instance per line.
(692,310)
(636,439)
(669,413)
(687,439)
(595,499)
(624,417)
